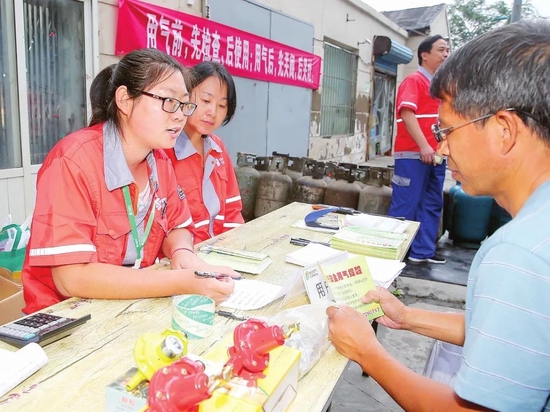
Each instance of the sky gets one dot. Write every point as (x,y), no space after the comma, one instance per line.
(543,6)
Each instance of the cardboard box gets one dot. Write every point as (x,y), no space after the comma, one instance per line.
(273,393)
(11,301)
(120,400)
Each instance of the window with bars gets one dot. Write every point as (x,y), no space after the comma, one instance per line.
(339,91)
(54,39)
(55,76)
(10,143)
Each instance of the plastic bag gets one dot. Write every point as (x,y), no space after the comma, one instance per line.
(444,362)
(13,242)
(312,338)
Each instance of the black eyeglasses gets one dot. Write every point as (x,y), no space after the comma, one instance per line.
(441,134)
(171,105)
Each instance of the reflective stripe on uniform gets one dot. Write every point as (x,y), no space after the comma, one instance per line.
(421,116)
(232,224)
(407,104)
(220,217)
(184,224)
(204,222)
(232,199)
(60,250)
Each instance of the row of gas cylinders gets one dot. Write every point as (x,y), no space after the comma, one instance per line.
(268,183)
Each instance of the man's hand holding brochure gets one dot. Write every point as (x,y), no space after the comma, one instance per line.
(349,280)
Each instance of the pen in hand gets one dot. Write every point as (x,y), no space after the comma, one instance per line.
(213,275)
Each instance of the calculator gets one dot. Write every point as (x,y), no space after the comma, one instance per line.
(42,328)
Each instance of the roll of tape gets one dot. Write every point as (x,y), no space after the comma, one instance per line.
(193,314)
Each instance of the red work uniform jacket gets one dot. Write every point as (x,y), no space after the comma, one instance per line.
(414,94)
(80,215)
(211,187)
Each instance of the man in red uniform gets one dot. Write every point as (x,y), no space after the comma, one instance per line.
(419,176)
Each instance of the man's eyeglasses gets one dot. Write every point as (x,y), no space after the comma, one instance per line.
(441,134)
(171,105)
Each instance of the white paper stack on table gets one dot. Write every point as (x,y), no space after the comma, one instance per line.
(383,271)
(19,365)
(384,223)
(370,242)
(253,294)
(239,260)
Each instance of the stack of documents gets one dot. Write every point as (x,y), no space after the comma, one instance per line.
(370,242)
(383,271)
(18,366)
(239,260)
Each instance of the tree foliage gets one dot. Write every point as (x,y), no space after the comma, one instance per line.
(471,18)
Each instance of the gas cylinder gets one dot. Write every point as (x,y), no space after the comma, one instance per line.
(311,187)
(262,164)
(448,208)
(362,175)
(295,168)
(330,172)
(274,188)
(499,217)
(375,197)
(344,191)
(248,179)
(470,219)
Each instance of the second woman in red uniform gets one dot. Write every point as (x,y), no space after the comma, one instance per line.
(202,164)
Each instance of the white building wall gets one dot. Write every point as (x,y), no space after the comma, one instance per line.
(349,23)
(352,25)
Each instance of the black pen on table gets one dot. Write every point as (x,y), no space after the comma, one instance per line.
(213,275)
(298,241)
(231,315)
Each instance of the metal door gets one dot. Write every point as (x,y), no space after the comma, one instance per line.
(270,116)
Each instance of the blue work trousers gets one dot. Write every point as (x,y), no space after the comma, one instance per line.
(418,195)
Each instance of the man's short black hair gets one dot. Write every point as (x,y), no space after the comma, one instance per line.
(426,45)
(508,67)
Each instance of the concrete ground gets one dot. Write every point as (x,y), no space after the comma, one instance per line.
(359,393)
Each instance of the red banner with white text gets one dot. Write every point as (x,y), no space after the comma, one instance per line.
(191,39)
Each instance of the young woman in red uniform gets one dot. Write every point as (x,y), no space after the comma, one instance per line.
(202,164)
(107,199)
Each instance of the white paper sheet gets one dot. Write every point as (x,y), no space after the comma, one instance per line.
(252,294)
(383,223)
(310,254)
(18,366)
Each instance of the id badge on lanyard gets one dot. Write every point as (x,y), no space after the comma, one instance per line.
(138,243)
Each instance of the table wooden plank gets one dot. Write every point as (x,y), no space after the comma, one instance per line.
(83,364)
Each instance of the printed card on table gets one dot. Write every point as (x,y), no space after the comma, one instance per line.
(349,280)
(316,285)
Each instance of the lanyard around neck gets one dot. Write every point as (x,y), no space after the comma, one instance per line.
(138,243)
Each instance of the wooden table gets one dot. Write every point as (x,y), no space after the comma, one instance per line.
(83,364)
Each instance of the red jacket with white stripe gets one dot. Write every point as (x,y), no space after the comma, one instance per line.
(80,214)
(414,94)
(211,187)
